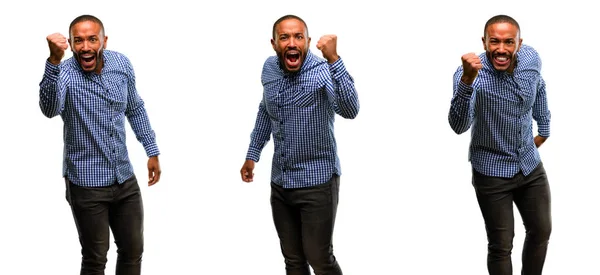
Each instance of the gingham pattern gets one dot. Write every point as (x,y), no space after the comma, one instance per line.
(298,110)
(500,107)
(93,108)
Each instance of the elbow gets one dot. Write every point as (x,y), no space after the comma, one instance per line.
(350,115)
(457,128)
(458,131)
(48,112)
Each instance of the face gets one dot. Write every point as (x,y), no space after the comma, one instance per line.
(87,43)
(501,45)
(291,44)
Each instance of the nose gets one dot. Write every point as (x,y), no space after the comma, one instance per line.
(502,47)
(86,45)
(292,43)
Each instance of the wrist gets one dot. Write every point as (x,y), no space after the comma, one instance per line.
(54,60)
(467,80)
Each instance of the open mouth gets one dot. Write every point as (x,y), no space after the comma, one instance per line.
(88,60)
(502,60)
(292,59)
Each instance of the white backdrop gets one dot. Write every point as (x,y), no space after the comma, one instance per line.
(406,201)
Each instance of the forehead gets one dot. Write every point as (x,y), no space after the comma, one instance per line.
(503,29)
(290,26)
(86,28)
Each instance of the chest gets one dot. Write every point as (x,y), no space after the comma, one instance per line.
(517,92)
(293,93)
(98,93)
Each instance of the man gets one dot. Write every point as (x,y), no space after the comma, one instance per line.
(498,93)
(93,92)
(302,94)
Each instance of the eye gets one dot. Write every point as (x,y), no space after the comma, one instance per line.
(299,37)
(93,39)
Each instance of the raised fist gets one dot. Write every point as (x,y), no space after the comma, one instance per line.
(57,44)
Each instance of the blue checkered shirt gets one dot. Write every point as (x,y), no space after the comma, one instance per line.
(298,110)
(499,108)
(93,108)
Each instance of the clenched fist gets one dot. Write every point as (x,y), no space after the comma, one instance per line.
(58,45)
(328,46)
(471,66)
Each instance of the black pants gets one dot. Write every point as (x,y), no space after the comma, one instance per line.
(95,210)
(304,219)
(531,195)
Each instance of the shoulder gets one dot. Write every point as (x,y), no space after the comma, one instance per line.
(117,56)
(314,60)
(528,58)
(271,70)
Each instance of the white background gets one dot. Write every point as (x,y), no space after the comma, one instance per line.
(406,201)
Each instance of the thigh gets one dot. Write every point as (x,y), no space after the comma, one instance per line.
(495,198)
(318,211)
(286,218)
(90,207)
(127,216)
(533,200)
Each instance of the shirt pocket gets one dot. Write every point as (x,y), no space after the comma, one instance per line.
(305,96)
(117,93)
(528,89)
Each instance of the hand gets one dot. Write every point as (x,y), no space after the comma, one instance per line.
(327,45)
(471,66)
(57,44)
(539,140)
(246,171)
(153,170)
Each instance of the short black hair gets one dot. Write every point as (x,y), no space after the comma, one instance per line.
(286,17)
(86,17)
(501,18)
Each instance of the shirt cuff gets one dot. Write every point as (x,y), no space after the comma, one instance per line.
(465,91)
(151,149)
(51,71)
(253,154)
(337,68)
(544,130)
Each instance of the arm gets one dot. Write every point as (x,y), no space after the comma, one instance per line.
(52,88)
(140,124)
(541,114)
(462,105)
(258,139)
(340,90)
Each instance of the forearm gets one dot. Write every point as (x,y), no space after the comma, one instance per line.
(541,113)
(260,134)
(462,107)
(52,91)
(344,95)
(140,124)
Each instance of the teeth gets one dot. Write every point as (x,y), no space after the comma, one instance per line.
(502,58)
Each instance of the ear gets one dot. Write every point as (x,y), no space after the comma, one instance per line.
(70,45)
(308,41)
(273,44)
(105,41)
(484,44)
(520,43)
